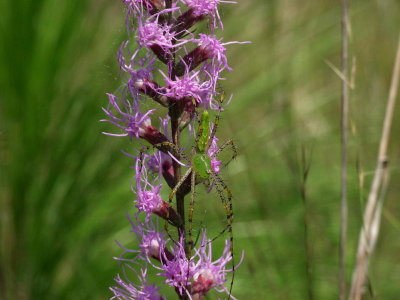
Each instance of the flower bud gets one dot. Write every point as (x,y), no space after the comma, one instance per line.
(186,20)
(167,212)
(153,136)
(203,282)
(192,60)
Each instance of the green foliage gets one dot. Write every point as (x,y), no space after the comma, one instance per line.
(64,187)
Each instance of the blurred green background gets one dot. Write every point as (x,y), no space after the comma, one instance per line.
(64,187)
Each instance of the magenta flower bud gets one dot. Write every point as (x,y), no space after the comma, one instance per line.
(153,245)
(161,53)
(203,281)
(192,60)
(167,212)
(153,136)
(206,7)
(186,20)
(151,89)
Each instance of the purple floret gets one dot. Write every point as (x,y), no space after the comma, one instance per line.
(152,33)
(206,7)
(148,195)
(207,273)
(189,86)
(130,291)
(214,49)
(215,163)
(179,270)
(132,122)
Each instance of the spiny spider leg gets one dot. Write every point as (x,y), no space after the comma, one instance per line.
(216,122)
(228,143)
(179,184)
(191,207)
(227,203)
(190,170)
(171,197)
(222,189)
(214,128)
(166,146)
(191,211)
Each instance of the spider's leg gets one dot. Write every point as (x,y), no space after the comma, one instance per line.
(226,198)
(142,151)
(173,193)
(171,147)
(228,143)
(179,184)
(214,127)
(191,210)
(216,122)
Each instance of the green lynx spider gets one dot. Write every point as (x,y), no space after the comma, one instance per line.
(200,170)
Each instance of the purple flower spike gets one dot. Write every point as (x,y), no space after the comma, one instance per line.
(130,291)
(162,40)
(133,123)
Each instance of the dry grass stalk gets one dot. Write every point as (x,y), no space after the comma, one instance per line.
(372,215)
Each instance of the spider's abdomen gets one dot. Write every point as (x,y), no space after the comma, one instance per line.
(202,165)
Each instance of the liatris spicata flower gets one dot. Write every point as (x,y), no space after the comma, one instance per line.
(171,70)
